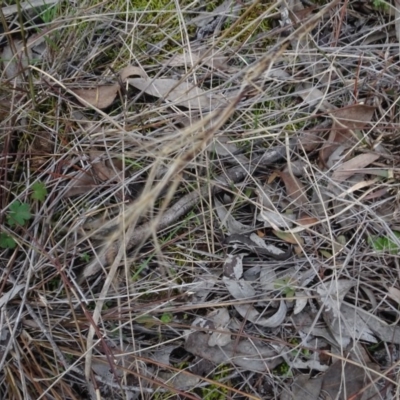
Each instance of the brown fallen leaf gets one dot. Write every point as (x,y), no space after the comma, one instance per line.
(252,355)
(103,96)
(305,220)
(294,188)
(309,140)
(81,184)
(100,97)
(105,170)
(102,170)
(288,237)
(346,121)
(348,169)
(305,388)
(345,380)
(183,94)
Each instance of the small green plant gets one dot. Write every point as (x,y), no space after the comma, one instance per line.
(380,5)
(385,243)
(216,392)
(6,241)
(39,191)
(85,257)
(166,318)
(19,213)
(285,285)
(284,370)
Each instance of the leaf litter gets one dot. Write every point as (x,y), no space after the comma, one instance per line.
(243,204)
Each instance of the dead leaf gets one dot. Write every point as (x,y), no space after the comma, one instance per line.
(304,388)
(288,237)
(381,329)
(182,94)
(222,335)
(202,287)
(347,169)
(232,225)
(233,266)
(253,355)
(394,293)
(105,170)
(100,97)
(314,97)
(346,121)
(103,96)
(294,188)
(309,140)
(343,324)
(305,220)
(345,380)
(80,184)
(131,70)
(301,301)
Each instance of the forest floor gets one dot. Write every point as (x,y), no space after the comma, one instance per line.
(199,200)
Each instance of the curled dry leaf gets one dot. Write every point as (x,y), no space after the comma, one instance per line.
(249,313)
(269,214)
(239,289)
(253,355)
(345,121)
(305,388)
(102,170)
(394,293)
(274,219)
(100,97)
(270,249)
(232,225)
(223,148)
(221,319)
(294,188)
(105,170)
(301,301)
(314,97)
(288,237)
(309,140)
(182,94)
(179,380)
(103,96)
(344,380)
(349,326)
(382,330)
(332,294)
(233,266)
(201,288)
(243,290)
(349,168)
(80,184)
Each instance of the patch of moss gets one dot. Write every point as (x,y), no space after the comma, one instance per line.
(216,392)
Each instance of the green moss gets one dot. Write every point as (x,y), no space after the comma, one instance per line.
(216,392)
